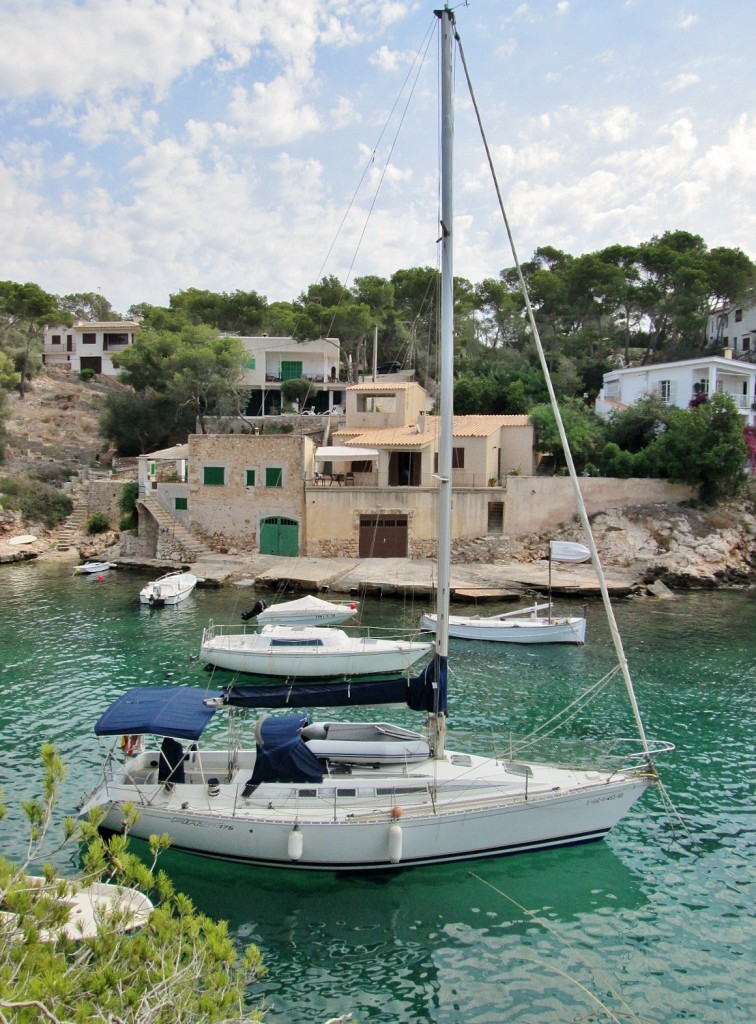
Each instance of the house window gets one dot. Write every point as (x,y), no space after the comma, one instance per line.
(214,476)
(290,370)
(89,338)
(249,477)
(182,504)
(738,315)
(701,387)
(665,390)
(55,339)
(274,476)
(458,459)
(746,343)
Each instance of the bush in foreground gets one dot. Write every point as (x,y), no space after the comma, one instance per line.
(181,966)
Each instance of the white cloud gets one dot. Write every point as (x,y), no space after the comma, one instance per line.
(684,80)
(616,125)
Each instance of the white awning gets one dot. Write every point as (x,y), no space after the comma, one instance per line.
(340,453)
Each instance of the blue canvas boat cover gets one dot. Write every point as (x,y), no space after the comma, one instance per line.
(420,693)
(282,754)
(159,710)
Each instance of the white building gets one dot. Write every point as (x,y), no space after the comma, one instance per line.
(734,328)
(272,360)
(677,383)
(88,346)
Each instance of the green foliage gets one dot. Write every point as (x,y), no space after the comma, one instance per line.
(9,376)
(704,447)
(127,506)
(143,422)
(584,431)
(180,966)
(195,368)
(98,522)
(637,426)
(86,375)
(24,311)
(36,501)
(297,390)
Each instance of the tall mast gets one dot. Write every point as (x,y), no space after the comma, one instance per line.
(446,369)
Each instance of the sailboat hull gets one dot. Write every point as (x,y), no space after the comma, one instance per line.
(527,630)
(381,819)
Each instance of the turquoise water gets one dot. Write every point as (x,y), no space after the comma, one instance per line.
(657,921)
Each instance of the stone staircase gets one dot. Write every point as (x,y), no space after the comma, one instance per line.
(183,545)
(71,526)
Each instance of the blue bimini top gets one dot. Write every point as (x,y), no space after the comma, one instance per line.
(160,710)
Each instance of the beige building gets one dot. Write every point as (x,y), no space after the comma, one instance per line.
(369,491)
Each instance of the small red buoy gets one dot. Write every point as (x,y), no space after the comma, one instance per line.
(99,579)
(352,606)
(396,812)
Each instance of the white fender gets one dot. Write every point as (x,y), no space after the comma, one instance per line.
(296,844)
(395,843)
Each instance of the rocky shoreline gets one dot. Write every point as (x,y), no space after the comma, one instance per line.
(651,547)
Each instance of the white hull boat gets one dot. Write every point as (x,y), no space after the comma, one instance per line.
(524,626)
(306,652)
(306,796)
(303,611)
(93,568)
(172,588)
(89,906)
(368,797)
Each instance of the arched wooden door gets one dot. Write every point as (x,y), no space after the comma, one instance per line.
(279,536)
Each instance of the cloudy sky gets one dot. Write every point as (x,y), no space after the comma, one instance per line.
(155,145)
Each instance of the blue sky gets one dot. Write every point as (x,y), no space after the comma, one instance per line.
(155,145)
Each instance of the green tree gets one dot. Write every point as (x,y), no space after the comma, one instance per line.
(25,309)
(88,306)
(584,431)
(704,447)
(195,367)
(634,428)
(143,421)
(179,966)
(236,312)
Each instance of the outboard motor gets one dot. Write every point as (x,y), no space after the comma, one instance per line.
(257,607)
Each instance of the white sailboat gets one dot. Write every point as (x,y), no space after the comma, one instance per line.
(523,625)
(368,797)
(307,652)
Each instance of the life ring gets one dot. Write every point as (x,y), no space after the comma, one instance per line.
(130,745)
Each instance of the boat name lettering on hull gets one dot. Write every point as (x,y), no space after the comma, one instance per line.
(204,824)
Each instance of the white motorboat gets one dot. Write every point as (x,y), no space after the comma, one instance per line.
(169,589)
(523,626)
(307,652)
(305,796)
(89,907)
(303,611)
(93,568)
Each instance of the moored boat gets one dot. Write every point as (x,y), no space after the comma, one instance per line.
(92,568)
(307,652)
(172,588)
(302,611)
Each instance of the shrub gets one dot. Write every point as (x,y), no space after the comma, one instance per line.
(98,522)
(86,375)
(127,505)
(179,966)
(36,501)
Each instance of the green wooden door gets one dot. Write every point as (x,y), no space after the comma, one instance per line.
(279,536)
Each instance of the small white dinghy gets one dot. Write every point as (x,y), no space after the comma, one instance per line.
(304,611)
(89,907)
(93,568)
(523,626)
(169,589)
